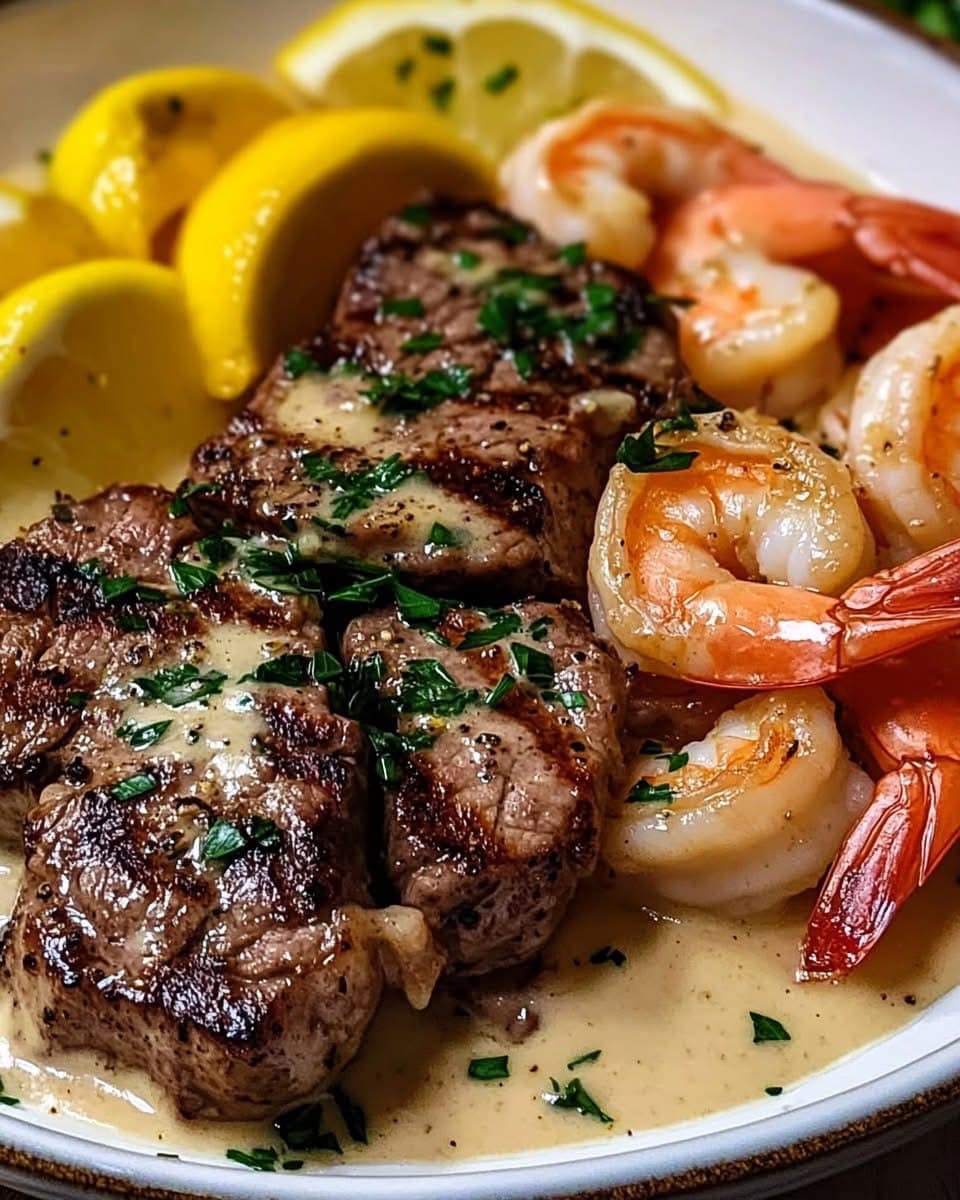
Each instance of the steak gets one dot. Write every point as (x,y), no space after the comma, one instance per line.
(195,898)
(457,419)
(495,789)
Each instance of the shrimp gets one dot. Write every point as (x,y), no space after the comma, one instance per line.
(904,441)
(906,712)
(751,815)
(765,257)
(694,534)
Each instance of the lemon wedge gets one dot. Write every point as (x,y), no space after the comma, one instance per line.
(265,247)
(99,380)
(40,233)
(494,68)
(136,156)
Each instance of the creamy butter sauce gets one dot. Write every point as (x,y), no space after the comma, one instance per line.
(672,1022)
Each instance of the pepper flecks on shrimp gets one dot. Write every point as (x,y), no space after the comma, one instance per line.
(750,815)
(907,715)
(732,570)
(904,439)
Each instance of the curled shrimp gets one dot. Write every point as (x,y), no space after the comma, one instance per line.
(765,257)
(730,569)
(750,815)
(904,439)
(906,713)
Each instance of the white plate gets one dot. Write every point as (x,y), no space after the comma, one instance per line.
(850,86)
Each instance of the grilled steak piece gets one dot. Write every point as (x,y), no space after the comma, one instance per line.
(458,418)
(195,892)
(493,817)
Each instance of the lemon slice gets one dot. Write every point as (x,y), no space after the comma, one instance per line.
(99,380)
(495,68)
(136,156)
(264,249)
(39,233)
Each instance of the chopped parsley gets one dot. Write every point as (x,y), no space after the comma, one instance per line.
(502,624)
(225,839)
(496,1067)
(285,571)
(428,687)
(133,786)
(416,606)
(767,1029)
(774,1091)
(641,454)
(404,69)
(534,664)
(181,685)
(305,1128)
(676,762)
(179,506)
(353,1116)
(363,591)
(417,214)
(574,254)
(298,362)
(356,490)
(422,343)
(400,394)
(466,259)
(262,1158)
(574,1095)
(644,792)
(296,670)
(500,80)
(390,750)
(437,43)
(512,233)
(78,700)
(130,622)
(590,1057)
(402,307)
(440,538)
(500,690)
(191,578)
(442,94)
(9,1101)
(569,700)
(141,737)
(538,628)
(608,954)
(120,587)
(219,548)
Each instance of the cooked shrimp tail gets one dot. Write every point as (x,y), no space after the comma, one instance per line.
(908,240)
(911,823)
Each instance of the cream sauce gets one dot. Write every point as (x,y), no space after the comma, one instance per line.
(671,1023)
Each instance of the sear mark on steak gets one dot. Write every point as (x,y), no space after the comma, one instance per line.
(498,374)
(195,896)
(491,824)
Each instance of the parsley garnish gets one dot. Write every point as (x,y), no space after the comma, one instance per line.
(513,233)
(354,1118)
(78,700)
(590,1057)
(224,839)
(304,1128)
(296,670)
(416,606)
(9,1101)
(285,571)
(437,43)
(134,786)
(219,548)
(496,1067)
(402,307)
(130,622)
(262,1158)
(608,954)
(676,762)
(442,94)
(644,792)
(767,1029)
(181,685)
(356,490)
(774,1091)
(179,506)
(466,259)
(298,362)
(574,254)
(399,393)
(404,69)
(440,537)
(363,591)
(534,664)
(503,687)
(569,700)
(390,749)
(120,587)
(422,343)
(574,1095)
(502,624)
(538,628)
(428,687)
(191,578)
(500,80)
(641,454)
(140,736)
(417,214)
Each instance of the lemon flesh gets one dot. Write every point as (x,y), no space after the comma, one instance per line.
(99,381)
(139,153)
(494,68)
(40,233)
(266,246)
